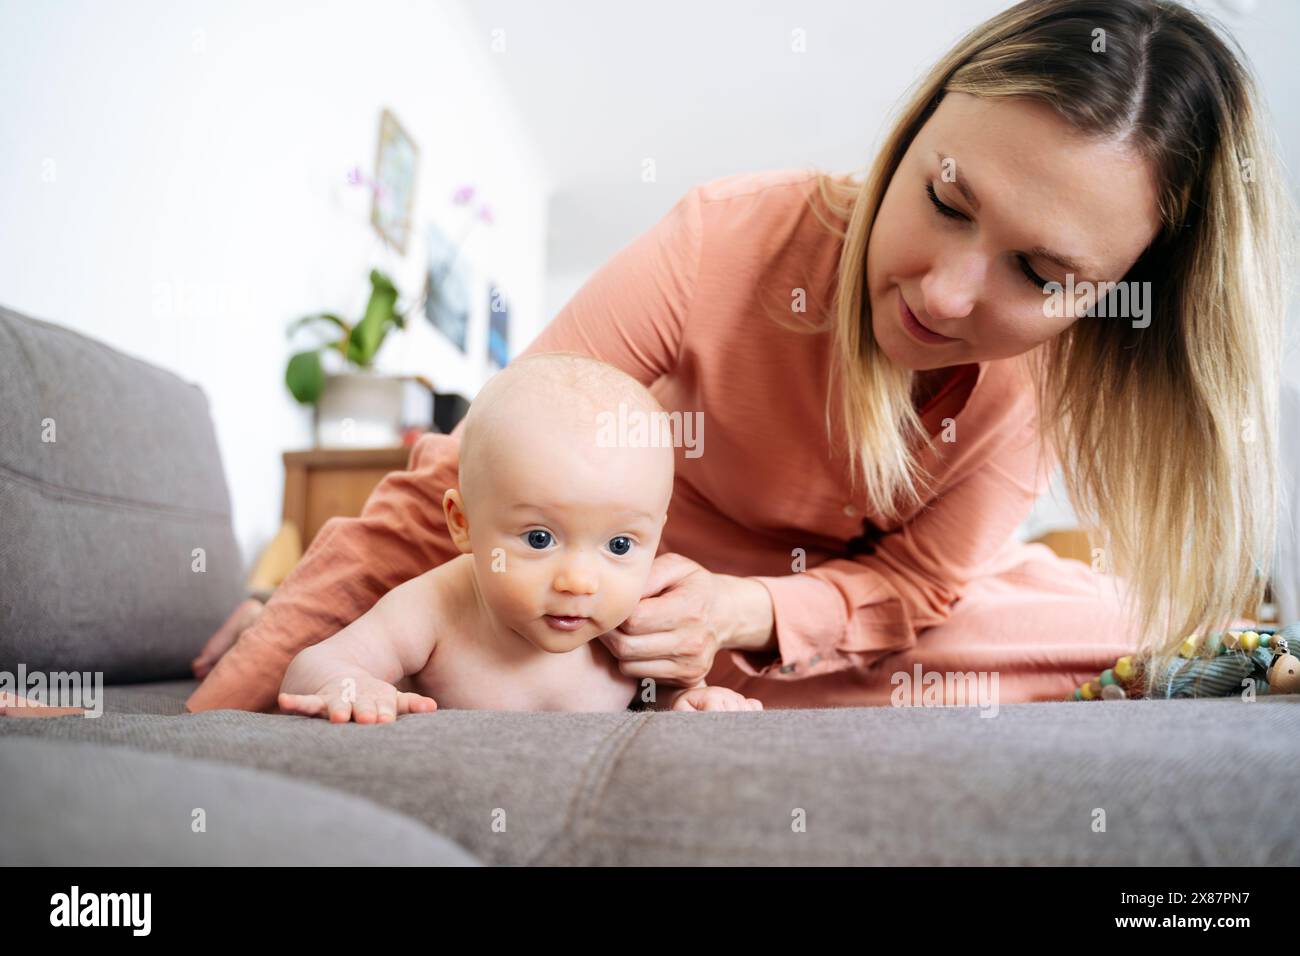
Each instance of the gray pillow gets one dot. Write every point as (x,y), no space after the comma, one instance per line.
(116,548)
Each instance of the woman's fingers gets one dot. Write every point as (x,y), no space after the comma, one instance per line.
(642,647)
(239,620)
(670,672)
(667,569)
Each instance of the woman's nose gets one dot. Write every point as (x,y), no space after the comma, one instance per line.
(952,287)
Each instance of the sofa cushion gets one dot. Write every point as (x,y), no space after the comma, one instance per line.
(875,785)
(78,804)
(117,553)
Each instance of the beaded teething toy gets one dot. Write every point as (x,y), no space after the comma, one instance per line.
(1217,669)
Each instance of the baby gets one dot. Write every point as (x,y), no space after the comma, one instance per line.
(556,534)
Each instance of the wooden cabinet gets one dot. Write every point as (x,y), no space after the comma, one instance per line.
(325,483)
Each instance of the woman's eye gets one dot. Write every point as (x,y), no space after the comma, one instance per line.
(538,539)
(620,545)
(945,210)
(942,208)
(1034,278)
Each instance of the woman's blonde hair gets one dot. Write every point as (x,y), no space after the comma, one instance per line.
(1167,434)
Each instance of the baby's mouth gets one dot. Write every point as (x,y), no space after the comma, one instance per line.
(565,622)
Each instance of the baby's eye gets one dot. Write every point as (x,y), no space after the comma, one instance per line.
(620,545)
(539,539)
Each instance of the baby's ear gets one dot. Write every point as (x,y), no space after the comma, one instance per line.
(453,509)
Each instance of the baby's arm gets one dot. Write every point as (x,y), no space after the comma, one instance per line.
(352,675)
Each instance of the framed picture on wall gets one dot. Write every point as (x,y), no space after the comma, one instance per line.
(394,192)
(446,289)
(498,328)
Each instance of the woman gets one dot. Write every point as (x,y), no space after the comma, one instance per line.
(886,369)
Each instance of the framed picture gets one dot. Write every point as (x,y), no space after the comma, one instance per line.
(498,328)
(446,289)
(394,191)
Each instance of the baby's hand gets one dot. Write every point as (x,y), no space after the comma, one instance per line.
(362,698)
(715,698)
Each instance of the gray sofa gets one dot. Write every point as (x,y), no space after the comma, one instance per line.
(98,531)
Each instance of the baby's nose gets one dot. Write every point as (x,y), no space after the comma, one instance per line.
(576,578)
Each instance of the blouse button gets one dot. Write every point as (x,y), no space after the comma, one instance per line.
(850,511)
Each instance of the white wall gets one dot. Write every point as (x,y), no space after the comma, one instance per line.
(173,182)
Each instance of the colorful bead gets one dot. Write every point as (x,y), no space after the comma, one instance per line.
(1124,667)
(1086,691)
(1077,695)
(1107,678)
(1249,641)
(1189,646)
(1113,692)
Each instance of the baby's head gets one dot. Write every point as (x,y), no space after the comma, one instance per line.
(561,521)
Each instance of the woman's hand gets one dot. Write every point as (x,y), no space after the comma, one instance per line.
(686,615)
(243,617)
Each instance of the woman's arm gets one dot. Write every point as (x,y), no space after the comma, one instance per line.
(847,612)
(350,565)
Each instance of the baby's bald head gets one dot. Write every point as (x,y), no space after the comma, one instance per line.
(563,497)
(557,398)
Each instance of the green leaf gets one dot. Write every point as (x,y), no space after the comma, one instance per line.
(321,317)
(380,313)
(305,376)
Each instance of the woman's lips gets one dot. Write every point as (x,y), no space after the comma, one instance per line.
(917,330)
(566,623)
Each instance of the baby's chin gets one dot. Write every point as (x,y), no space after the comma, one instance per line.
(544,637)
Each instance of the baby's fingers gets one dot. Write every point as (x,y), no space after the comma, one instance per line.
(365,709)
(306,705)
(411,703)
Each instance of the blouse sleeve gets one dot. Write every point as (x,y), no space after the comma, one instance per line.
(632,312)
(848,612)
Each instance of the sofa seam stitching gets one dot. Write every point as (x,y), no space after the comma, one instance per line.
(606,753)
(106,501)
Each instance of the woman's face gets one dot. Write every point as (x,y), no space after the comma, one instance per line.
(1040,202)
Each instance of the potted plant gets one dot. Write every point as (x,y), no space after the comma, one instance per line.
(358,407)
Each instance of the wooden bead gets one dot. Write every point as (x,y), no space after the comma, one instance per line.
(1124,667)
(1231,641)
(1189,646)
(1284,675)
(1249,641)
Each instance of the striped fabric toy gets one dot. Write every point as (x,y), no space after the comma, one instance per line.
(1262,655)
